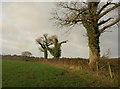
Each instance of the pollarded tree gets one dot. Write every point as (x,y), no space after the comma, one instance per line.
(56,49)
(44,42)
(91,16)
(26,54)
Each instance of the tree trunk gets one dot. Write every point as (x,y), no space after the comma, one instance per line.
(94,48)
(93,35)
(94,52)
(90,22)
(45,54)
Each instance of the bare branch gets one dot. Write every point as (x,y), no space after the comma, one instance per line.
(68,20)
(108,3)
(64,42)
(104,21)
(108,10)
(66,6)
(70,13)
(109,25)
(40,44)
(42,50)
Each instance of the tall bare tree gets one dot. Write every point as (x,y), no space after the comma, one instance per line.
(44,42)
(91,16)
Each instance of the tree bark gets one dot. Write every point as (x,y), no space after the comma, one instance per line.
(45,54)
(90,22)
(93,43)
(93,35)
(94,50)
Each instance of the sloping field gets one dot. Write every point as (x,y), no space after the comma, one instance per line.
(33,74)
(19,73)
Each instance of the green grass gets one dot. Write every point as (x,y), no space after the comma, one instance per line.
(18,73)
(35,74)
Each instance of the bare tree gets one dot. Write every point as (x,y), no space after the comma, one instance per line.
(91,16)
(26,54)
(44,42)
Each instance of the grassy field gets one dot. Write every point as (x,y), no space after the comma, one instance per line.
(19,73)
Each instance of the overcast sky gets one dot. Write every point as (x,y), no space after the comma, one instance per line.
(23,22)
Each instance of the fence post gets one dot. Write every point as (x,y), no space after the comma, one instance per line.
(110,72)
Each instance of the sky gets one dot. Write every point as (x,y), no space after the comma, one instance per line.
(23,22)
